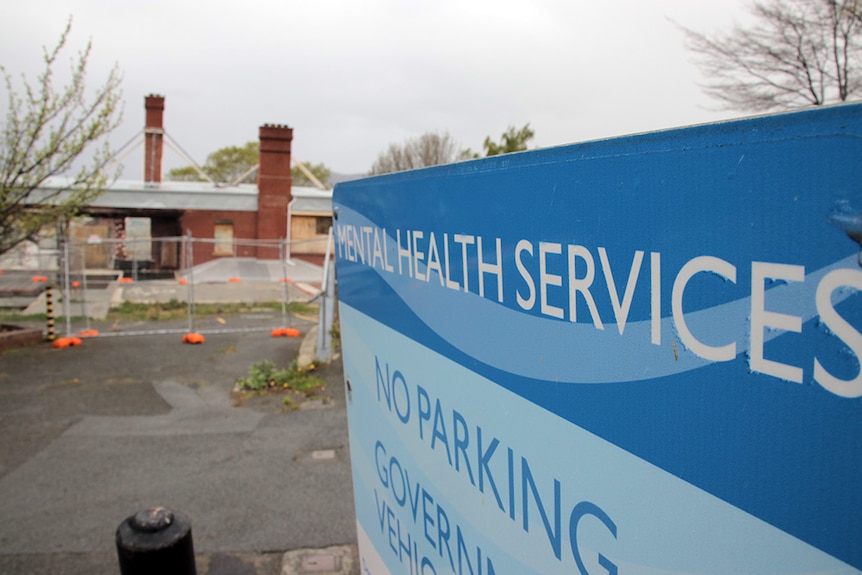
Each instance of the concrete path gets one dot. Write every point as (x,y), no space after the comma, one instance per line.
(251,269)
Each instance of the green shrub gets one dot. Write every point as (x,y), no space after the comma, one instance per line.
(263,375)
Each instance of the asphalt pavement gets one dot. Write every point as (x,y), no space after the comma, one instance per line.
(97,432)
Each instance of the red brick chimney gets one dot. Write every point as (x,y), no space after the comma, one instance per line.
(153,133)
(273,184)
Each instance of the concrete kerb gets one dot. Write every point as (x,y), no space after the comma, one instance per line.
(337,560)
(307,348)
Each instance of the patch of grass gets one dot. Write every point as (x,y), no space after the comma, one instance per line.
(263,376)
(335,332)
(11,317)
(174,304)
(179,310)
(173,309)
(223,351)
(61,384)
(147,312)
(8,316)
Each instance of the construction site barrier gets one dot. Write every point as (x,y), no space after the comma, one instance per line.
(161,276)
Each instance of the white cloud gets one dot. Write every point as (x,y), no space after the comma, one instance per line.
(352,76)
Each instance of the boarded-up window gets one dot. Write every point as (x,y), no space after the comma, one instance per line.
(223,239)
(138,242)
(91,252)
(323,224)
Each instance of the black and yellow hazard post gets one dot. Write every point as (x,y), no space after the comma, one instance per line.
(49,314)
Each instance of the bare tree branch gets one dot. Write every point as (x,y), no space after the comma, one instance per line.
(796,53)
(430,149)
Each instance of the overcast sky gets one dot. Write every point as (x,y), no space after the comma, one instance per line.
(352,76)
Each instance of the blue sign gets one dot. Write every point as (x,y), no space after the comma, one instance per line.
(638,355)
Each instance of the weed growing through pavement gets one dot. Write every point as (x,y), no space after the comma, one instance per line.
(223,352)
(263,376)
(335,332)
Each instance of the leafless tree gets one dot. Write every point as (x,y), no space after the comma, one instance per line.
(429,149)
(794,54)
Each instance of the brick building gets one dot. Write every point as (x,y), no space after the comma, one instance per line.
(241,220)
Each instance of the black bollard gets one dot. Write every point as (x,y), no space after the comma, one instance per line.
(157,540)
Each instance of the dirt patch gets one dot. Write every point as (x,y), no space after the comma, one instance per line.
(13,336)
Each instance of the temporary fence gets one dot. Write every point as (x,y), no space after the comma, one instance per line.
(185,279)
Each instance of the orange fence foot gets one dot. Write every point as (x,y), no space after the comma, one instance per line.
(193,338)
(66,342)
(89,333)
(285,332)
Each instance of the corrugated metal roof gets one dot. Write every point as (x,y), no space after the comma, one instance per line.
(171,195)
(311,201)
(179,196)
